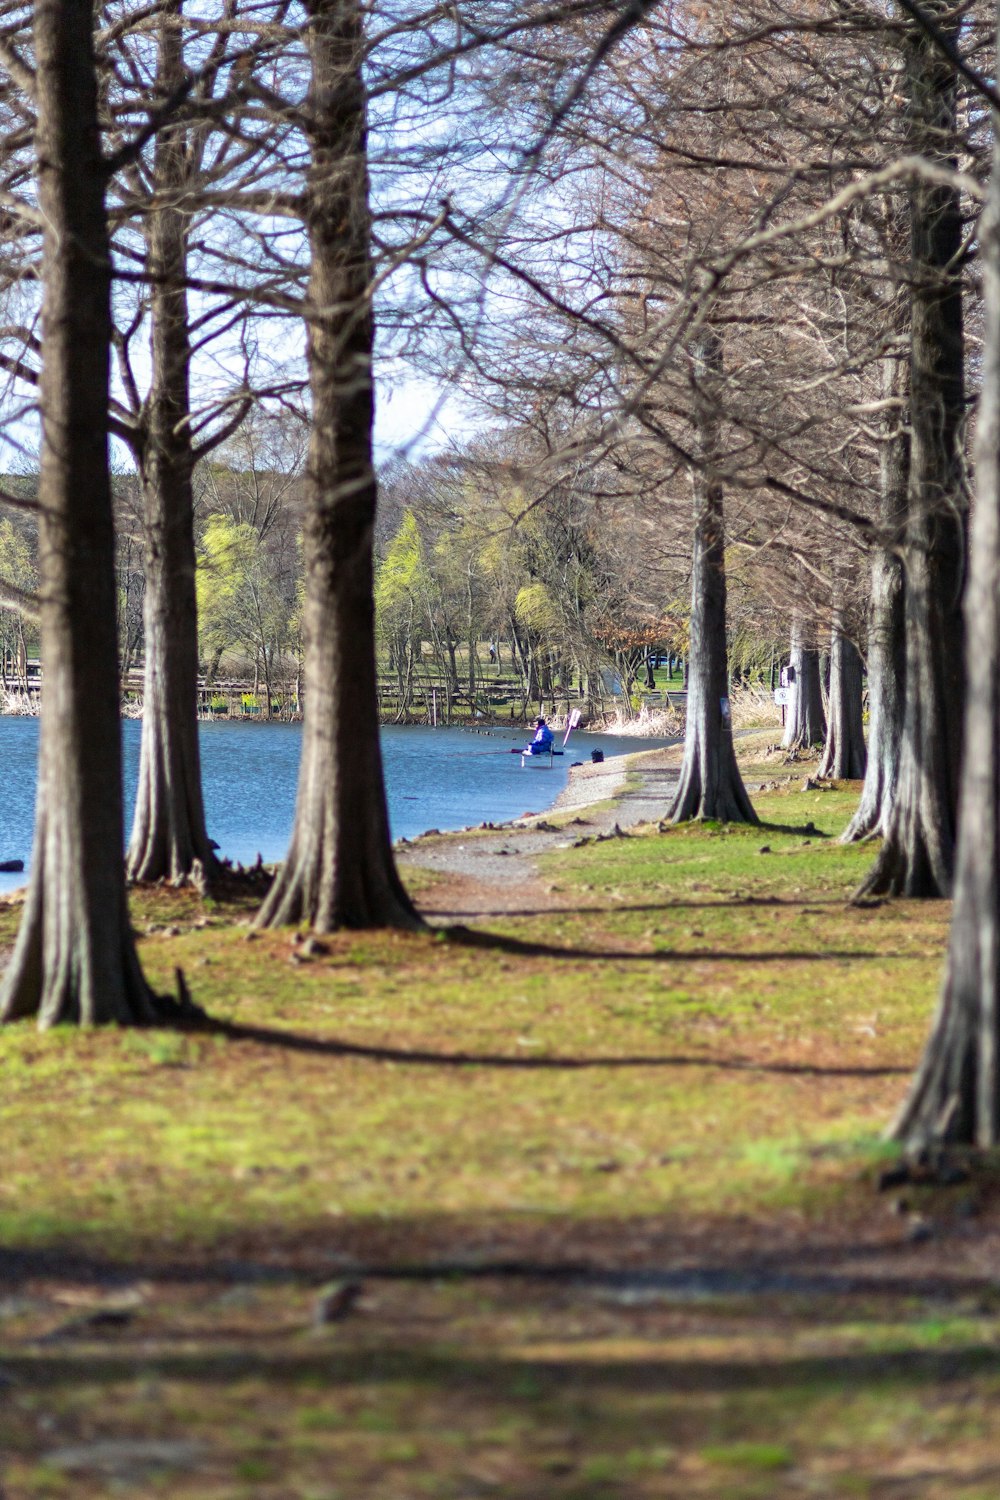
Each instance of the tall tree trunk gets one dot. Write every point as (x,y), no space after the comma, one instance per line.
(169,840)
(534,684)
(339,871)
(267,685)
(955,1095)
(710,782)
(844,751)
(74,959)
(886,642)
(918,854)
(521,659)
(471,633)
(450,645)
(805,726)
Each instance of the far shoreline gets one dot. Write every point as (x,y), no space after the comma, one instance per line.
(639,728)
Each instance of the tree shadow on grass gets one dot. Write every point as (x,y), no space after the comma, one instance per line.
(292,1041)
(526,948)
(797,830)
(711,825)
(501,1377)
(661,908)
(590,1257)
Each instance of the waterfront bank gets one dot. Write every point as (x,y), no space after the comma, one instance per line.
(435,778)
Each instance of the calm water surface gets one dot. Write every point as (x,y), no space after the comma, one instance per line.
(435,778)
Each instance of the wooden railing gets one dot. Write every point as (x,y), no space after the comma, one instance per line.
(431,697)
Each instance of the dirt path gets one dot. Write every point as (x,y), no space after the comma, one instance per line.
(488,873)
(485,872)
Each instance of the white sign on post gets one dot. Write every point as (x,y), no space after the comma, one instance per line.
(783,696)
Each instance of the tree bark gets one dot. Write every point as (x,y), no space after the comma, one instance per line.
(710,783)
(918,854)
(805,727)
(169,840)
(844,751)
(74,959)
(886,642)
(339,871)
(955,1095)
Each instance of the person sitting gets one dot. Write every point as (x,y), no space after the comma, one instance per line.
(542,743)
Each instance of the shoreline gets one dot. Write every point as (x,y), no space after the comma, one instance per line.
(575,786)
(638,728)
(485,872)
(589,786)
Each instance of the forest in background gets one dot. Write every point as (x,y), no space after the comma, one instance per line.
(570,601)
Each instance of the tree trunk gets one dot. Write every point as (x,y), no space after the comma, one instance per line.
(918,854)
(169,840)
(531,659)
(805,726)
(710,782)
(886,643)
(471,632)
(451,644)
(521,658)
(955,1095)
(844,752)
(267,686)
(824,682)
(74,959)
(340,870)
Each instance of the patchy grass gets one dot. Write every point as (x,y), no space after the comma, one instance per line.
(603,1172)
(658,1045)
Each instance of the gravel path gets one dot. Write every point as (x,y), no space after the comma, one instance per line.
(489,873)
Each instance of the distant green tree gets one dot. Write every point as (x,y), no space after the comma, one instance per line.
(402,588)
(241,601)
(20,580)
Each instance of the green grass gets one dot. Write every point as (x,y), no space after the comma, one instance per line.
(667,996)
(688,1063)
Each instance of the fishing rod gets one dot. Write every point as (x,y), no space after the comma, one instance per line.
(519,749)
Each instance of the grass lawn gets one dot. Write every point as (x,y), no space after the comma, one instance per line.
(577,1204)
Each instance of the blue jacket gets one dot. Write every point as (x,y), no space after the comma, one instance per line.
(542,740)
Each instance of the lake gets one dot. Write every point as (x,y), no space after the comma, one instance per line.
(435,778)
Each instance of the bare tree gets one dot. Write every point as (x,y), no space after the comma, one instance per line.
(169,839)
(805,725)
(955,1095)
(918,853)
(710,782)
(844,752)
(74,958)
(886,640)
(339,870)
